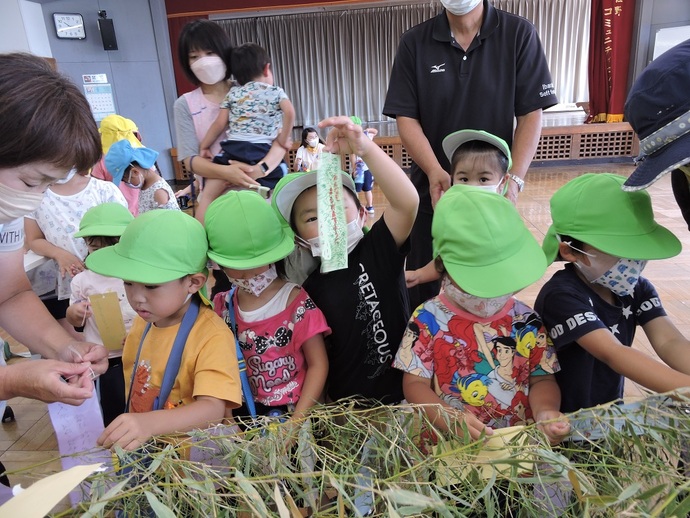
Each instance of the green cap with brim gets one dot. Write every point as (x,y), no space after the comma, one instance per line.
(244,232)
(484,244)
(158,246)
(594,209)
(290,186)
(453,141)
(106,219)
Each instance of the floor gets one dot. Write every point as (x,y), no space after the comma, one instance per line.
(29,442)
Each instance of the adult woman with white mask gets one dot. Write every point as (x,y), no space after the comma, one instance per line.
(204,51)
(47,130)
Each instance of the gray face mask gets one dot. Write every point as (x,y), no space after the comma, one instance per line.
(67,178)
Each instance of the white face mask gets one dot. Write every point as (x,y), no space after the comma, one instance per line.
(354,236)
(460,7)
(481,307)
(137,186)
(257,284)
(67,178)
(490,188)
(312,142)
(14,203)
(209,69)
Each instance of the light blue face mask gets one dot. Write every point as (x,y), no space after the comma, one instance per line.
(622,277)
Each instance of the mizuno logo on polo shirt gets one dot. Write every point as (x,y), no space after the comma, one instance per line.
(438,68)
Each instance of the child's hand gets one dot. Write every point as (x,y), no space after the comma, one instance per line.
(411,278)
(345,137)
(554,425)
(69,264)
(474,426)
(81,310)
(128,431)
(205,153)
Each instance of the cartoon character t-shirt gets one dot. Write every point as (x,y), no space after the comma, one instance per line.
(478,365)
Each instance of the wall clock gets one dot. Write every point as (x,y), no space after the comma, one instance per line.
(69,26)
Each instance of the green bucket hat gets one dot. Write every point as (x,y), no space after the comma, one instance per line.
(158,246)
(292,185)
(106,219)
(485,246)
(594,209)
(244,232)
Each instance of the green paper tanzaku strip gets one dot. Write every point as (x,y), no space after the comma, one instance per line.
(331,214)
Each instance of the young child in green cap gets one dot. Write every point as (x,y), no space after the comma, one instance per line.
(280,330)
(477,158)
(592,307)
(474,350)
(161,257)
(365,304)
(102,226)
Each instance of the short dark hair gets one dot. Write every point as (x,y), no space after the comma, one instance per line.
(248,62)
(480,147)
(44,117)
(203,35)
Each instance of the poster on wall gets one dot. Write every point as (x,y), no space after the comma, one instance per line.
(101,100)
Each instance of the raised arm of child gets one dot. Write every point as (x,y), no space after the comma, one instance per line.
(418,390)
(348,137)
(130,431)
(636,365)
(214,131)
(317,371)
(284,138)
(545,401)
(426,273)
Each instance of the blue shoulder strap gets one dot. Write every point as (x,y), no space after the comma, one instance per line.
(175,358)
(246,388)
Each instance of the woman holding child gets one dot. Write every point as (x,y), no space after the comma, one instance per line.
(204,50)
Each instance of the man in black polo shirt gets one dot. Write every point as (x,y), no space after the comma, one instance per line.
(470,67)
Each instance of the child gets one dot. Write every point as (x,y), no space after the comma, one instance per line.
(364,181)
(113,128)
(136,167)
(591,307)
(474,352)
(307,155)
(366,304)
(279,328)
(255,113)
(102,226)
(50,233)
(477,158)
(161,257)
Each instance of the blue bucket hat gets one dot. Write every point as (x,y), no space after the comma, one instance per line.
(121,155)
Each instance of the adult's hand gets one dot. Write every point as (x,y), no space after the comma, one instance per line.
(512,192)
(78,352)
(45,380)
(439,182)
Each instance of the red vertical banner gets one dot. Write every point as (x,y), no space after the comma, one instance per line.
(610,42)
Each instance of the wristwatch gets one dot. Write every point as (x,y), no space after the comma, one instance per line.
(264,167)
(519,181)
